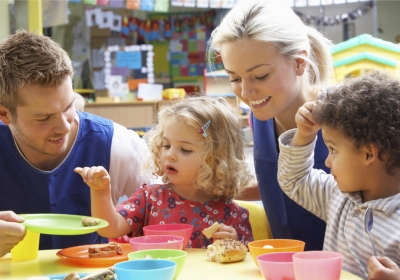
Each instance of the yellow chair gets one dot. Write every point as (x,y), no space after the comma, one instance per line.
(258,219)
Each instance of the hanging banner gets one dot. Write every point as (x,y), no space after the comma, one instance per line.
(102,2)
(133,4)
(90,2)
(189,3)
(215,4)
(161,6)
(177,3)
(147,5)
(202,3)
(117,3)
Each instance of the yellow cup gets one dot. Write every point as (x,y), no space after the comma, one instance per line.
(27,249)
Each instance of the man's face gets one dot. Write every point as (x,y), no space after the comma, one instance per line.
(43,121)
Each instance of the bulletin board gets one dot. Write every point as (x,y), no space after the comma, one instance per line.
(127,67)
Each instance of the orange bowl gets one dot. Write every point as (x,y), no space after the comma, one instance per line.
(256,248)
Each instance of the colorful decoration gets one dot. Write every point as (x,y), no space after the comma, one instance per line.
(337,19)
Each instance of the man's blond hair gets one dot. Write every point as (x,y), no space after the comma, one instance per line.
(28,58)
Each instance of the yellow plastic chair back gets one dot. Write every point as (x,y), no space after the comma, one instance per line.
(258,219)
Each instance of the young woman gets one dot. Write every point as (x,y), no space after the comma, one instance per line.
(276,64)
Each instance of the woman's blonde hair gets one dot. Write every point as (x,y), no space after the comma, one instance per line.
(29,58)
(224,171)
(275,22)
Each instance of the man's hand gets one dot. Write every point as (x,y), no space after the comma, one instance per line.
(11,231)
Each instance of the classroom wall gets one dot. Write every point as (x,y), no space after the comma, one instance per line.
(5,20)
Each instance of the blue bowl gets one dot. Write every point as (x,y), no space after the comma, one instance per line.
(145,270)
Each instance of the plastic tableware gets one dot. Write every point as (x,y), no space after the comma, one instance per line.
(156,242)
(183,230)
(368,223)
(79,255)
(317,265)
(145,270)
(60,224)
(256,248)
(28,248)
(177,256)
(276,266)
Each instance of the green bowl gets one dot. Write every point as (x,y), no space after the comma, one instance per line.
(177,256)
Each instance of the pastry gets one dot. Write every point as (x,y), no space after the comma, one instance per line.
(111,249)
(89,222)
(107,274)
(226,251)
(208,232)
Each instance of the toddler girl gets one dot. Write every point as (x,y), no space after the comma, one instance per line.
(197,149)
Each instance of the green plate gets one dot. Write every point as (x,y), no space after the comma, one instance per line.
(59,224)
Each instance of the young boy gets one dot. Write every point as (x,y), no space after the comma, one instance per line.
(360,122)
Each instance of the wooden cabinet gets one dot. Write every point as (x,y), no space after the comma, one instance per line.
(132,114)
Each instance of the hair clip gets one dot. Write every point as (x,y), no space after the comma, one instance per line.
(203,129)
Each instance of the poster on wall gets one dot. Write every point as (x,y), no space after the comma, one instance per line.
(127,67)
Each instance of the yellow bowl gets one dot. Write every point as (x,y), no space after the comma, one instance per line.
(256,248)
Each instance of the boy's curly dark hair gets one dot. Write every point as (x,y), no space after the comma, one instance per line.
(365,110)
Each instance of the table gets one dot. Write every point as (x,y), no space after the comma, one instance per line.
(196,268)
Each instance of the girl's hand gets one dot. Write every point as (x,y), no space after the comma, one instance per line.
(225,232)
(382,268)
(96,177)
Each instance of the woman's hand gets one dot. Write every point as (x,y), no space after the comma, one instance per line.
(382,268)
(225,232)
(96,177)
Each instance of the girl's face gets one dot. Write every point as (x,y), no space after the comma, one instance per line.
(180,154)
(263,78)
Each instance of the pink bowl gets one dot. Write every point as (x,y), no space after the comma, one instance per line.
(317,265)
(276,266)
(156,242)
(183,230)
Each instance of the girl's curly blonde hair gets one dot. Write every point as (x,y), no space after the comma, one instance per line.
(224,172)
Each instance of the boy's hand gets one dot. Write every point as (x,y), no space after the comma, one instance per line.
(382,268)
(96,177)
(225,232)
(307,129)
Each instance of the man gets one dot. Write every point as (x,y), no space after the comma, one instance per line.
(43,138)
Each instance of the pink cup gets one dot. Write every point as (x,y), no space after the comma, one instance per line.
(276,266)
(317,265)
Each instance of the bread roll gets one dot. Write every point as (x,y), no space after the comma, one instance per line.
(226,251)
(208,232)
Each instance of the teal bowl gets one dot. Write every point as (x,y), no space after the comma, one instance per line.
(177,256)
(145,270)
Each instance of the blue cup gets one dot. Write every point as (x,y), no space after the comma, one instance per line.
(145,270)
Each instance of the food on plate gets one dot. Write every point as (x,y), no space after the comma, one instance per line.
(268,246)
(72,276)
(107,274)
(208,232)
(89,222)
(148,257)
(226,250)
(109,250)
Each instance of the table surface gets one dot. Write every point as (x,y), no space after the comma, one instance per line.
(196,267)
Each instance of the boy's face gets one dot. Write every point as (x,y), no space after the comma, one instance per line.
(346,163)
